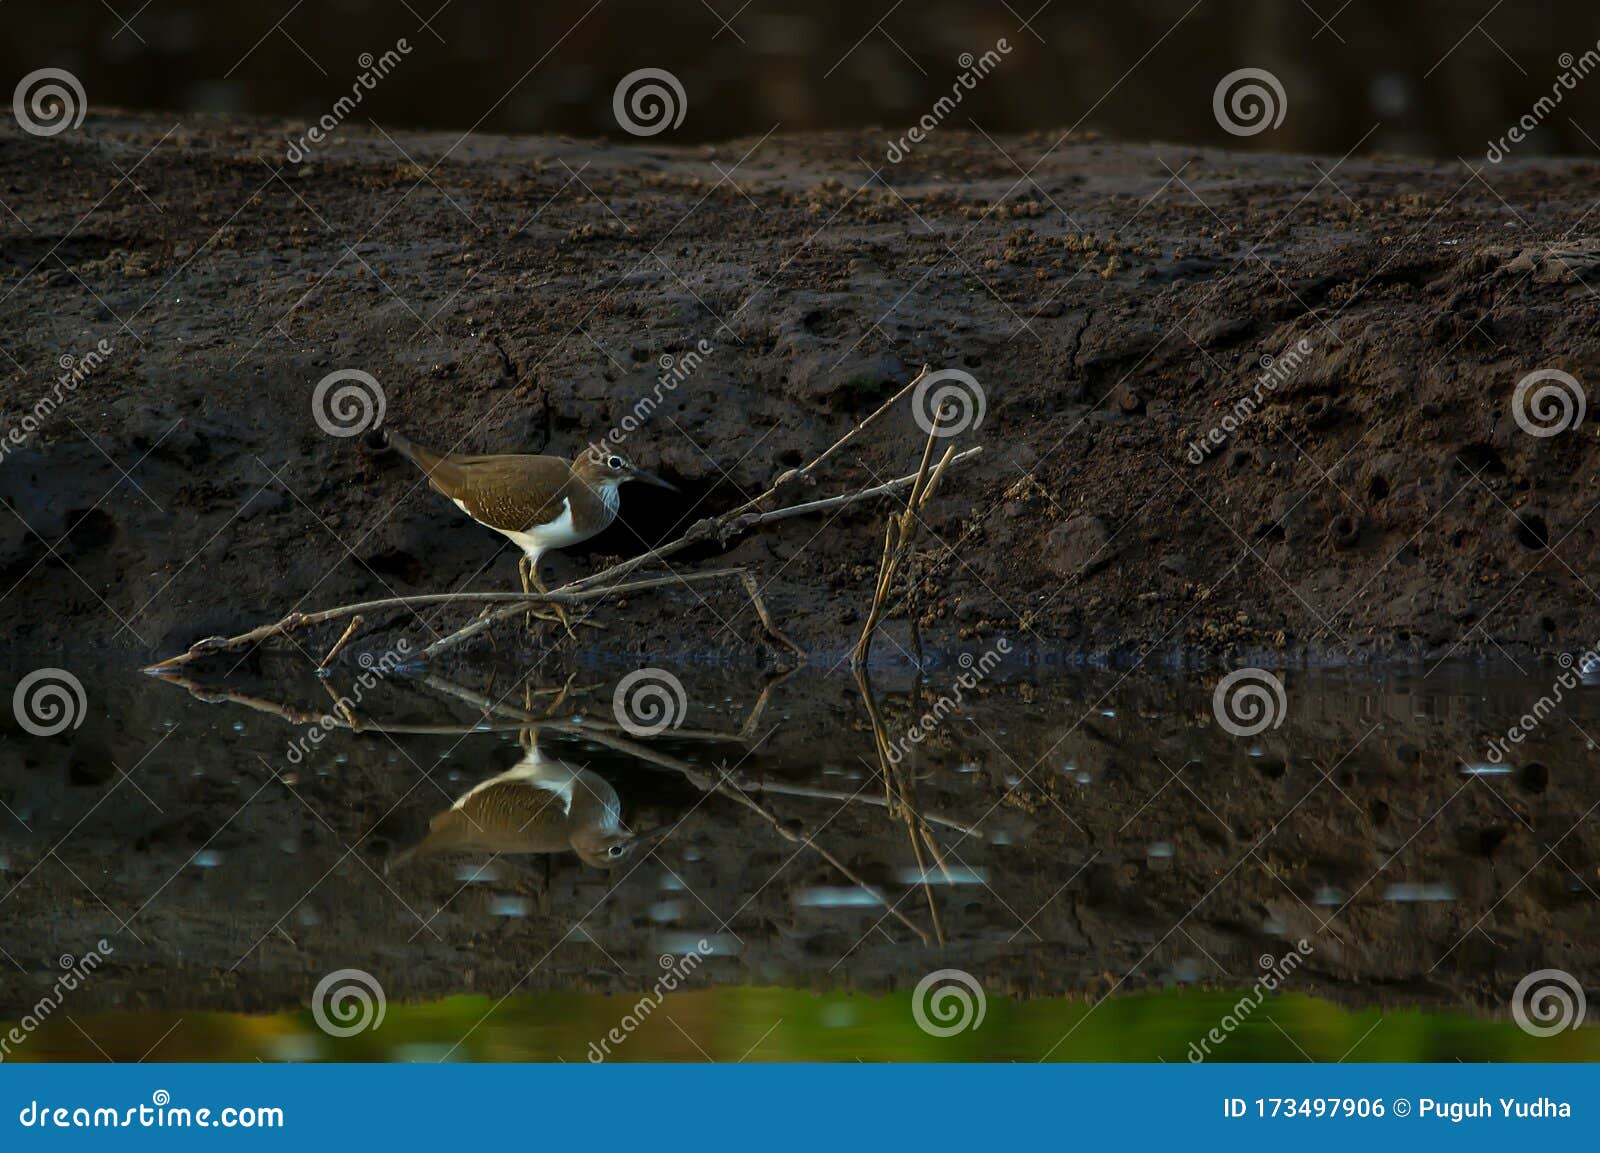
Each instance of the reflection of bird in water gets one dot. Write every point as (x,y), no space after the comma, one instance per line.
(540,805)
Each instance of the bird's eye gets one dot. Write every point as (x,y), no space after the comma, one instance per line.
(615,462)
(615,851)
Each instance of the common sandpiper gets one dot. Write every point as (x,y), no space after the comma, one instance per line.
(536,502)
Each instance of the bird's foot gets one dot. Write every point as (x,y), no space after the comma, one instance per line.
(559,610)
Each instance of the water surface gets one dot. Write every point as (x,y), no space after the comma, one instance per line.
(1087,846)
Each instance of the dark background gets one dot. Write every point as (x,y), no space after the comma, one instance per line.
(1440,77)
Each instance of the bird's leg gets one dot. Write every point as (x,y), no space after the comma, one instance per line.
(522,571)
(561,613)
(528,570)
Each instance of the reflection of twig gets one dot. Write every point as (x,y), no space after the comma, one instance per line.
(585,726)
(782,789)
(898,797)
(723,783)
(598,732)
(342,706)
(730,787)
(294,716)
(588,728)
(748,729)
(518,719)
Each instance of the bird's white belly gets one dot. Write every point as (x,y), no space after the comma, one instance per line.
(558,533)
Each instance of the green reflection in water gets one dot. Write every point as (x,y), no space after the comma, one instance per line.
(767,1024)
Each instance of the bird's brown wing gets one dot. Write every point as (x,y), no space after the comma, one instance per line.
(502,817)
(509,817)
(504,492)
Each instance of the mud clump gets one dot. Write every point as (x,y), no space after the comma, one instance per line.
(1078,547)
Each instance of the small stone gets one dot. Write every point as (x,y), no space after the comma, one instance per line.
(1226,331)
(1078,546)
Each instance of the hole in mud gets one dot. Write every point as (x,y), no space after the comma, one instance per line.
(652,516)
(1272,767)
(90,767)
(1343,531)
(1535,777)
(99,529)
(1532,532)
(1319,412)
(395,562)
(1480,457)
(1377,488)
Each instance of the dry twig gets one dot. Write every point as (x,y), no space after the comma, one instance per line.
(901,534)
(610,582)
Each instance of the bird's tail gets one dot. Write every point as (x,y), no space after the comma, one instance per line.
(446,831)
(398,860)
(433,463)
(404,857)
(415,453)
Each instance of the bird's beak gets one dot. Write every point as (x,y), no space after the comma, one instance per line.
(649,838)
(649,477)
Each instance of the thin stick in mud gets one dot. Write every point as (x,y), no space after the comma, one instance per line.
(901,533)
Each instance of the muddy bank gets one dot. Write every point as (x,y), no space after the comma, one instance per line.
(1114,305)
